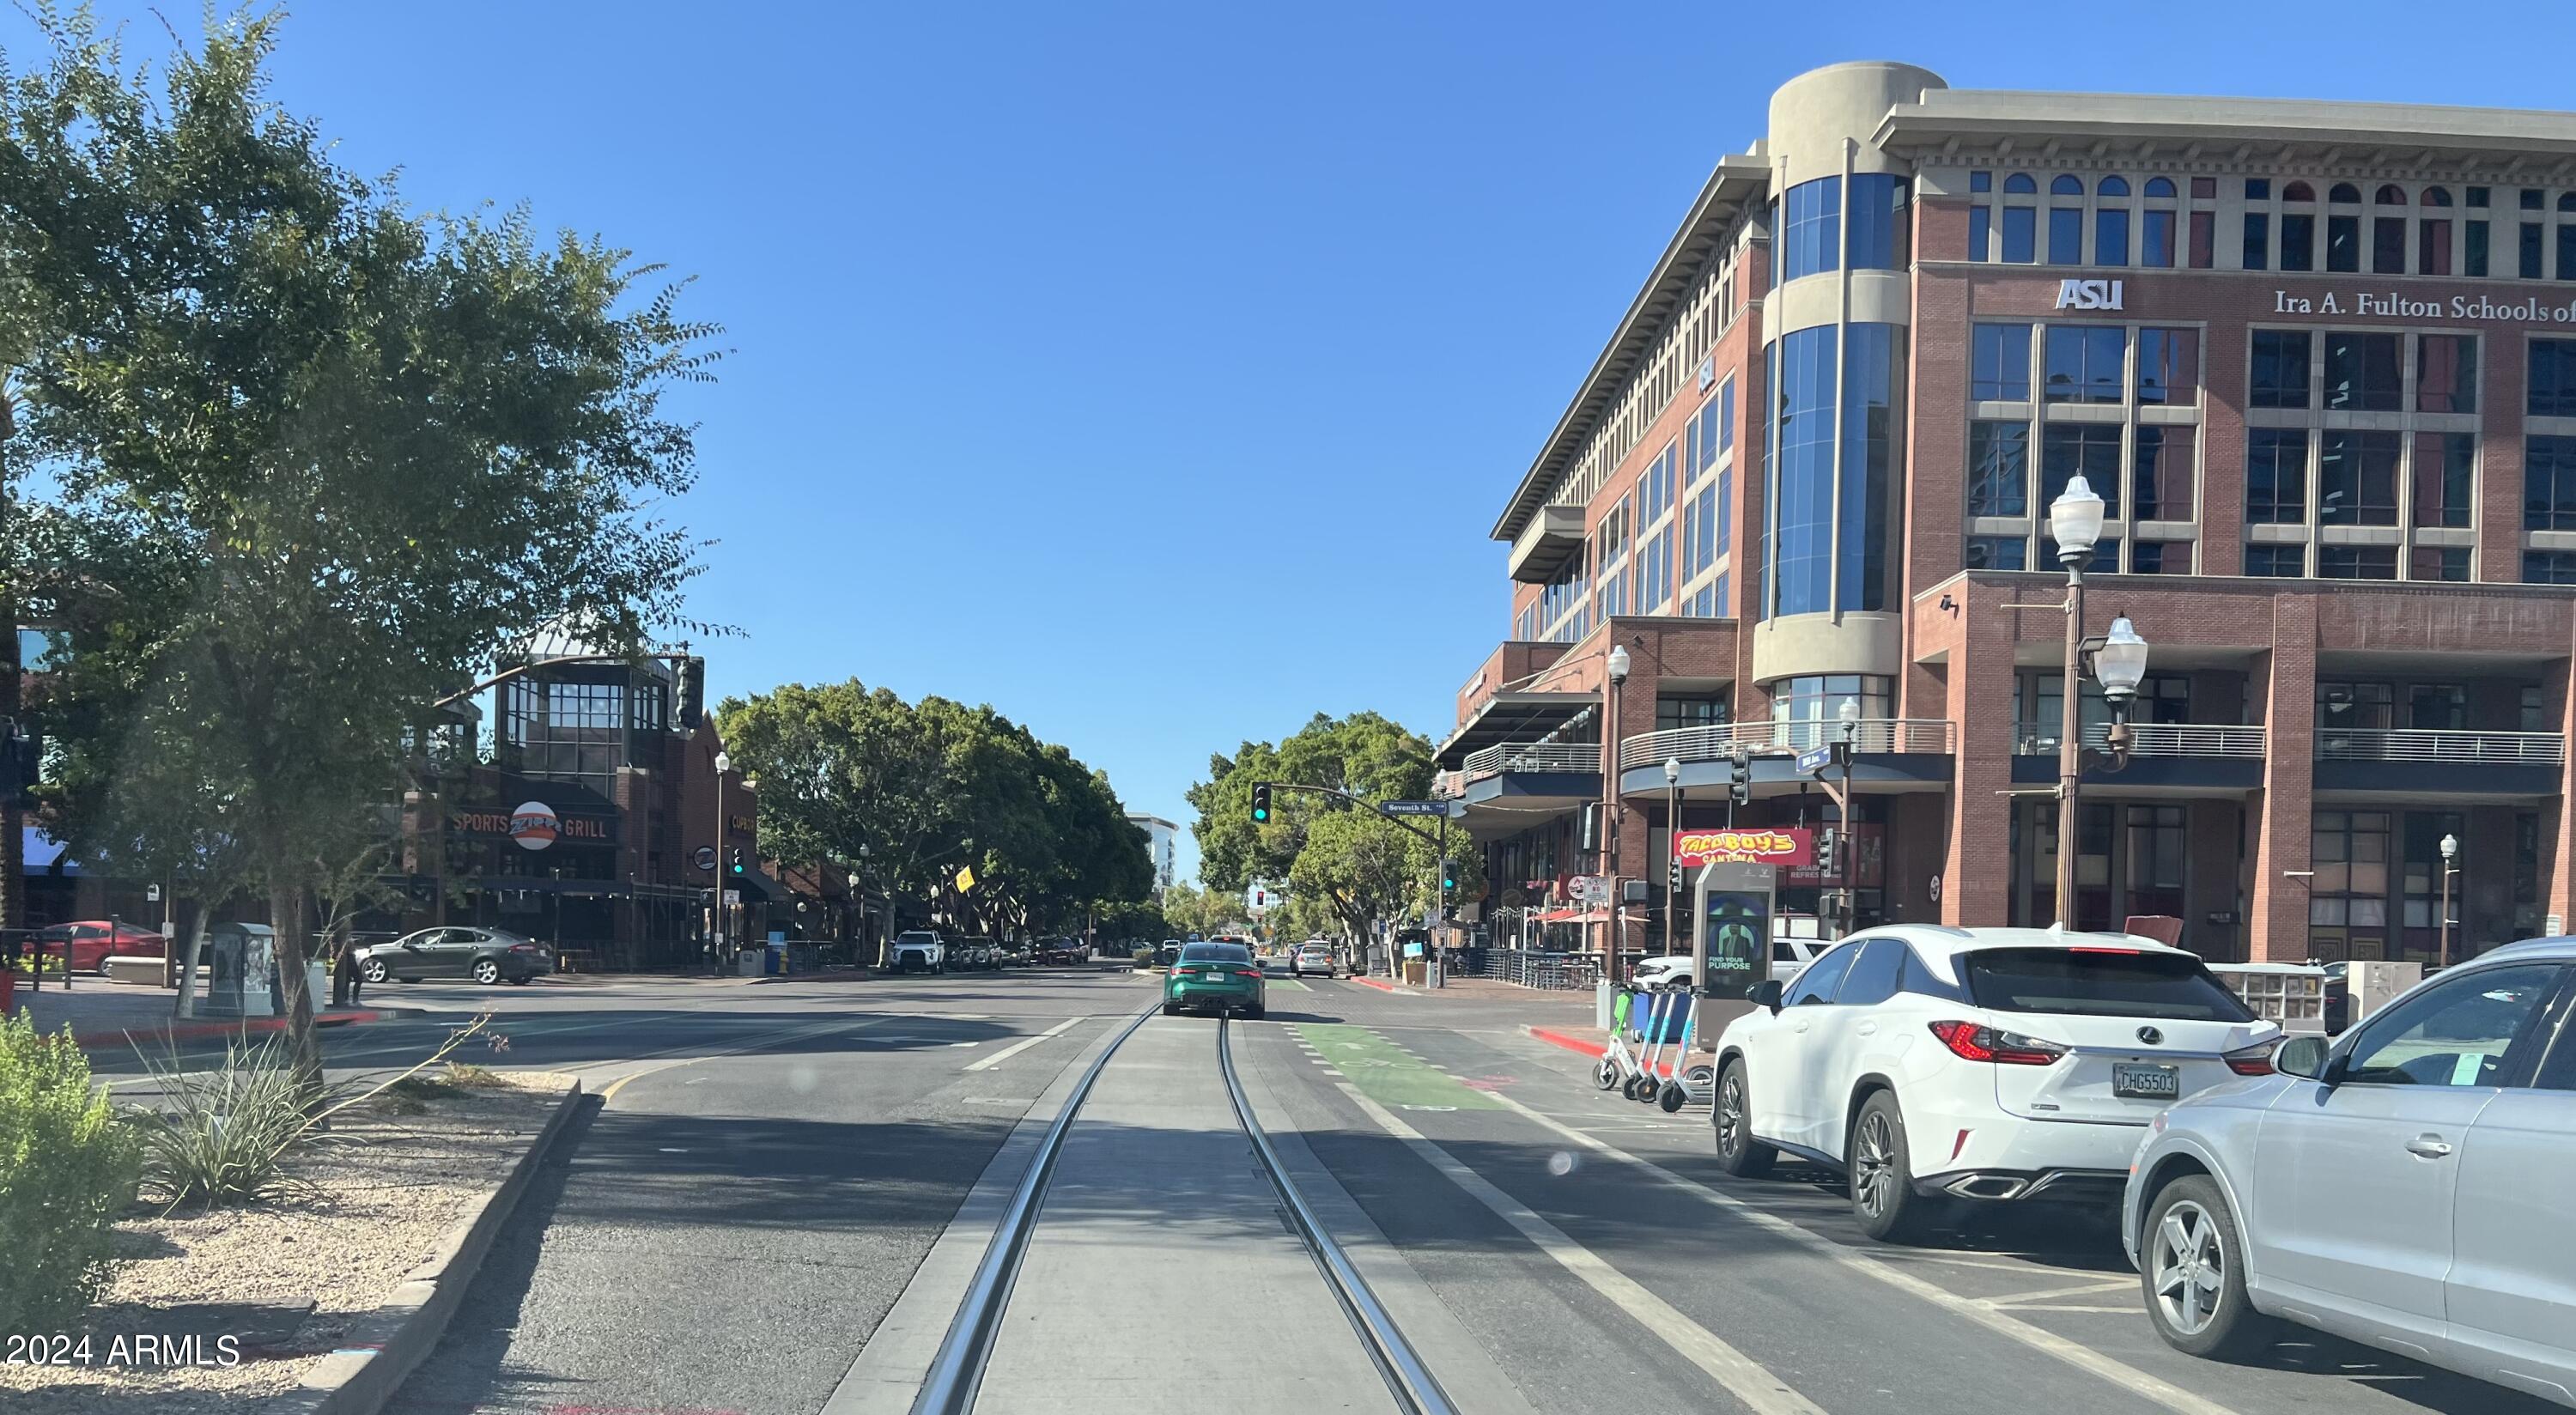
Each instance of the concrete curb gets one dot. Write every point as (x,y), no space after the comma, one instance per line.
(1570,1043)
(382,1347)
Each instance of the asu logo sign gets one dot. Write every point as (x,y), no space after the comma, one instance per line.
(535,825)
(2088,294)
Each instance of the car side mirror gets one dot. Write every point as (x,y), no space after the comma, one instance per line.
(2304,1057)
(1766,993)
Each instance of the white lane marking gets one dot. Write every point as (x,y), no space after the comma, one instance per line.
(2057,1307)
(1016,1048)
(2018,1298)
(2083,1358)
(1745,1378)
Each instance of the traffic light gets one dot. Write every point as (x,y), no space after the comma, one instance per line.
(1673,873)
(1827,841)
(1261,803)
(1739,776)
(693,691)
(733,860)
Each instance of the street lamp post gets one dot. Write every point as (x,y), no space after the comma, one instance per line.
(1849,836)
(1618,666)
(2450,852)
(1672,858)
(2119,660)
(716,906)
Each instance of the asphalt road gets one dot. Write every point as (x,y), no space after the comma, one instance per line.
(768,1166)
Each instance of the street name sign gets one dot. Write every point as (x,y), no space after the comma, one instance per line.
(1413,808)
(1815,759)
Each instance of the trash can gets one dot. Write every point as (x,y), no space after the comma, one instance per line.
(773,961)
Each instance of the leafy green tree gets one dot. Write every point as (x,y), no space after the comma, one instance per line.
(1366,754)
(371,453)
(918,792)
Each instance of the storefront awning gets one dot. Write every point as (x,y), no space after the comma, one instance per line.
(756,889)
(1575,916)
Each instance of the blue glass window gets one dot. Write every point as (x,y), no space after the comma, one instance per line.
(2084,363)
(2156,239)
(2552,392)
(1870,374)
(1981,230)
(2092,449)
(2276,476)
(2160,187)
(1877,226)
(1811,236)
(2112,187)
(1999,363)
(2280,371)
(1726,415)
(2285,562)
(2066,184)
(2066,235)
(2548,567)
(2021,235)
(1981,181)
(2549,483)
(1998,469)
(2111,236)
(1800,553)
(1998,553)
(2019,184)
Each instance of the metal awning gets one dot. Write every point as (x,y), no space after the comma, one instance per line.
(1515,717)
(41,854)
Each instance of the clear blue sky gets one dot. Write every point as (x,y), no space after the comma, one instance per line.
(1154,372)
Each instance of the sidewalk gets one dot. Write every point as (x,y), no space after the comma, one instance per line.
(105,1014)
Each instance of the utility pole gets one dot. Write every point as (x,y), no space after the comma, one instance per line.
(13,879)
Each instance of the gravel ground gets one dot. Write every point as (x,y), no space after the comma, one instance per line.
(400,1178)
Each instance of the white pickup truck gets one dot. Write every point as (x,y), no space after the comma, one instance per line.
(920,951)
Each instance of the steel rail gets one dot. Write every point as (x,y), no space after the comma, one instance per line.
(1415,1389)
(957,1372)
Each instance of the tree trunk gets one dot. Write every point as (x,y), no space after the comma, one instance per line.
(339,975)
(194,949)
(286,920)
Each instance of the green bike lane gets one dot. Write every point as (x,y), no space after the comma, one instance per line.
(1771,1269)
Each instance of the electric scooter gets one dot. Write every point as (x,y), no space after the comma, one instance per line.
(1617,1064)
(1659,1011)
(1688,1082)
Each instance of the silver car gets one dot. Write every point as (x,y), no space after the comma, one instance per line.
(2406,1186)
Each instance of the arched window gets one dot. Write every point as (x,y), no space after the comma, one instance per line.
(2390,195)
(2298,191)
(2160,186)
(2020,184)
(2112,187)
(2066,184)
(2436,196)
(2346,193)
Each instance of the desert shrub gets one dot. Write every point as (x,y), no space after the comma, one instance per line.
(67,1169)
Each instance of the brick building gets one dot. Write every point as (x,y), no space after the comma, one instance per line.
(2320,360)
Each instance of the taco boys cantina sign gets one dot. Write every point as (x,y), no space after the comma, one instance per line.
(1787,846)
(534,825)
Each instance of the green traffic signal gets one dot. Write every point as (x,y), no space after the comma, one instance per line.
(1261,803)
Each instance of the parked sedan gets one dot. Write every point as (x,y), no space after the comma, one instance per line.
(1935,1065)
(2404,1186)
(85,947)
(486,955)
(1215,977)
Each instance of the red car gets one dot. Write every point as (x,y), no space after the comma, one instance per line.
(91,943)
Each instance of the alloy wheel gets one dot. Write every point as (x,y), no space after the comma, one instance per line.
(1730,1116)
(2190,1267)
(1874,1164)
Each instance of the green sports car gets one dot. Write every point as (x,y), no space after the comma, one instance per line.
(1214,977)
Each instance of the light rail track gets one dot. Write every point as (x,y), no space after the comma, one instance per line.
(956,1372)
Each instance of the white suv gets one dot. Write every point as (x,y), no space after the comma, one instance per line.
(1932,1064)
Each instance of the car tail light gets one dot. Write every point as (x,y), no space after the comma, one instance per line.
(1247,972)
(1977,1042)
(2255,1060)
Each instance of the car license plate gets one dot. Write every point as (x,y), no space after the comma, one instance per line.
(2155,1083)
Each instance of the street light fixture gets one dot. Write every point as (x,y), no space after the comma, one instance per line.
(1617,664)
(2118,660)
(715,902)
(2450,852)
(1672,857)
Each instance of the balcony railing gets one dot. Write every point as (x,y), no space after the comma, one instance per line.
(2150,739)
(1534,756)
(2411,744)
(1716,741)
